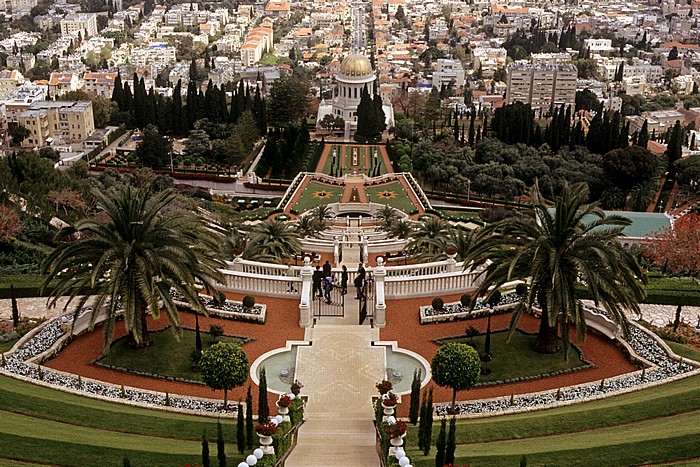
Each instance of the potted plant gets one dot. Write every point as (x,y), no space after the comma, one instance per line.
(283,404)
(389,400)
(451,252)
(384,387)
(265,433)
(396,430)
(296,387)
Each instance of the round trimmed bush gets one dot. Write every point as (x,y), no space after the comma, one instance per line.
(521,289)
(495,298)
(249,301)
(465,300)
(438,303)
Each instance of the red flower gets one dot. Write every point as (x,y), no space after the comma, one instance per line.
(384,387)
(266,430)
(284,401)
(396,430)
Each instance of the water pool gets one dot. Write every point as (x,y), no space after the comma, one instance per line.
(279,369)
(400,367)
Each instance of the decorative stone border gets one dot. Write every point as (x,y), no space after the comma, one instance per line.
(230,309)
(586,366)
(23,362)
(457,312)
(666,367)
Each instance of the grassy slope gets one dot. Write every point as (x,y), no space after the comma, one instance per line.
(625,430)
(52,427)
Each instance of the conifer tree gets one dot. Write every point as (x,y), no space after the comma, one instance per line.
(643,137)
(674,150)
(118,93)
(177,108)
(205,450)
(240,430)
(220,446)
(451,442)
(415,398)
(249,425)
(263,408)
(441,444)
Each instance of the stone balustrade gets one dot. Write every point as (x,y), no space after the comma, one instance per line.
(259,284)
(433,285)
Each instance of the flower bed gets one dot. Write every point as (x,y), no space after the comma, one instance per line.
(230,309)
(457,312)
(640,341)
(40,345)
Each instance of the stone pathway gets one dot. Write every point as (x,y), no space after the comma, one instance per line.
(661,315)
(32,308)
(339,372)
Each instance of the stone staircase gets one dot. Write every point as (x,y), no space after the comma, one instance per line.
(339,372)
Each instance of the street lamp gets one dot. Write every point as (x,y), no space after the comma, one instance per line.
(469,188)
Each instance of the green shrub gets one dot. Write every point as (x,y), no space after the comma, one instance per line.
(521,289)
(249,301)
(438,303)
(465,300)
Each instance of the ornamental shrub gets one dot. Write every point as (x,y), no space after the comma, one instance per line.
(438,303)
(224,366)
(248,301)
(465,300)
(521,289)
(456,366)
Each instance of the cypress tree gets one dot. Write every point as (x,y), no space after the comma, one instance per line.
(423,420)
(451,442)
(139,103)
(177,108)
(191,108)
(151,116)
(205,450)
(118,93)
(456,128)
(643,137)
(674,150)
(263,408)
(240,430)
(440,445)
(15,309)
(471,126)
(249,425)
(193,70)
(128,98)
(415,397)
(220,446)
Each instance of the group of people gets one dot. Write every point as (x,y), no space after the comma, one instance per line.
(323,281)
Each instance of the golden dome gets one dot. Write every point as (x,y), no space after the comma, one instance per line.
(356,65)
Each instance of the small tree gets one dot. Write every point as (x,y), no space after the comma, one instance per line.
(249,425)
(415,397)
(263,408)
(205,450)
(456,366)
(224,366)
(220,446)
(215,331)
(441,444)
(240,430)
(422,421)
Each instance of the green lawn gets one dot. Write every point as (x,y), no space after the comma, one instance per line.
(683,351)
(166,357)
(516,359)
(401,201)
(347,167)
(5,346)
(46,426)
(307,200)
(660,424)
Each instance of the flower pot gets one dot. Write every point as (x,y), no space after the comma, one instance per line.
(395,443)
(266,444)
(284,411)
(388,411)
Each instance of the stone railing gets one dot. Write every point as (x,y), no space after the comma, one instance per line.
(259,284)
(417,192)
(287,197)
(430,285)
(264,269)
(424,269)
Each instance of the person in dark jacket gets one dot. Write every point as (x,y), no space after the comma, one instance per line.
(344,280)
(359,281)
(327,269)
(317,280)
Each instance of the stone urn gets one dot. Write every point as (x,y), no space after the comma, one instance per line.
(284,411)
(395,443)
(388,411)
(266,444)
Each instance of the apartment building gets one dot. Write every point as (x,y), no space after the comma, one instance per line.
(258,42)
(10,80)
(448,72)
(61,83)
(19,101)
(489,59)
(542,86)
(278,9)
(80,22)
(67,122)
(158,54)
(99,84)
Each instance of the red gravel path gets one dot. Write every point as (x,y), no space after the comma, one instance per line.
(403,326)
(282,325)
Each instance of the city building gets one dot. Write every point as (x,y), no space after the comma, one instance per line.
(10,80)
(258,42)
(61,83)
(448,72)
(57,121)
(99,84)
(489,59)
(542,86)
(76,22)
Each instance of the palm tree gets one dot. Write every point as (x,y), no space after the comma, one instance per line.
(272,240)
(427,241)
(400,229)
(322,213)
(387,215)
(131,257)
(307,226)
(575,246)
(463,241)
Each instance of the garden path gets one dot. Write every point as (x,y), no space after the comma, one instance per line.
(339,371)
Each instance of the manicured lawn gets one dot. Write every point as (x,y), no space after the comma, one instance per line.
(308,201)
(654,425)
(166,357)
(5,346)
(516,359)
(683,351)
(51,427)
(396,196)
(362,152)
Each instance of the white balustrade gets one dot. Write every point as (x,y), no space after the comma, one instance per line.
(430,285)
(422,269)
(273,286)
(256,267)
